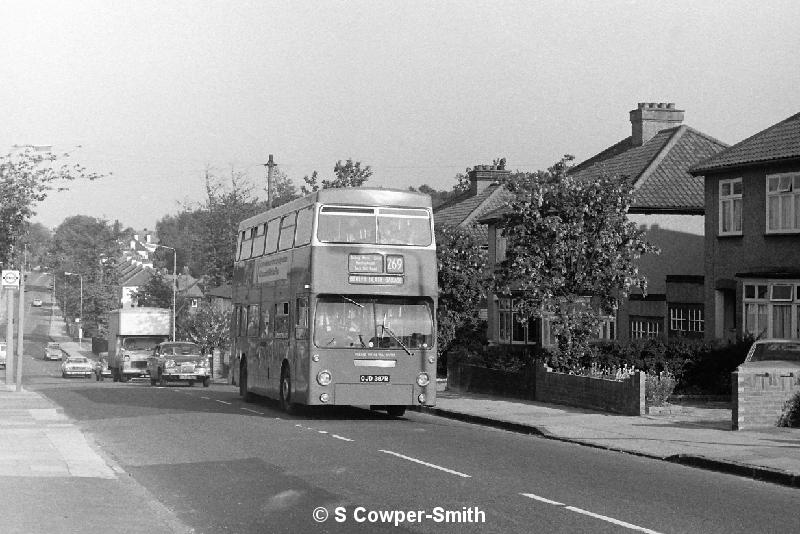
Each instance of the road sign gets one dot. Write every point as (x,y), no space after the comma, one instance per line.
(11,279)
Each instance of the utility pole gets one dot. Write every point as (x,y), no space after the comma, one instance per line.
(20,329)
(269,165)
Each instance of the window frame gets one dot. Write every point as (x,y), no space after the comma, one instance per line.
(732,198)
(792,192)
(762,301)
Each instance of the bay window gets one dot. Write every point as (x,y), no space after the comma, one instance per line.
(772,309)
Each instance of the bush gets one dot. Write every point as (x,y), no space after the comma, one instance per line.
(791,412)
(658,387)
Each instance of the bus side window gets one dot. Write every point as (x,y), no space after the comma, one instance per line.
(258,241)
(282,320)
(253,318)
(247,244)
(302,235)
(242,321)
(241,244)
(286,240)
(301,318)
(264,330)
(273,228)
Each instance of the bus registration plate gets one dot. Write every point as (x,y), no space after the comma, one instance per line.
(375,378)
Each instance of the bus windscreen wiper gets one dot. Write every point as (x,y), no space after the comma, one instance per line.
(394,336)
(352,301)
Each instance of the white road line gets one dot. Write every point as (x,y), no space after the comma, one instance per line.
(252,411)
(440,468)
(223,402)
(206,398)
(591,514)
(542,499)
(322,431)
(612,520)
(341,437)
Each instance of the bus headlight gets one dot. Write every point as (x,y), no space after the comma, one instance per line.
(323,378)
(423,380)
(430,359)
(126,358)
(421,398)
(324,397)
(169,363)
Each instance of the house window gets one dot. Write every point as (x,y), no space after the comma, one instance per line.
(730,207)
(686,320)
(645,327)
(772,309)
(783,203)
(512,331)
(539,330)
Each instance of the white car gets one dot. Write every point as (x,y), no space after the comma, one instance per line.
(77,366)
(37,302)
(3,354)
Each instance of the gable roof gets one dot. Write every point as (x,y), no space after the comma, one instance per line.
(466,209)
(779,142)
(658,169)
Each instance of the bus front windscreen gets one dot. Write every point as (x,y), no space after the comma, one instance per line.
(383,323)
(381,226)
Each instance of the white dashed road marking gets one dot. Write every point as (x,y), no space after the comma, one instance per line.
(252,411)
(591,514)
(223,402)
(415,460)
(340,437)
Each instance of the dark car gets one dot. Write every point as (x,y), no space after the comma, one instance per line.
(178,361)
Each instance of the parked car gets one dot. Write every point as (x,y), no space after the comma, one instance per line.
(3,354)
(774,354)
(52,351)
(77,366)
(37,302)
(178,361)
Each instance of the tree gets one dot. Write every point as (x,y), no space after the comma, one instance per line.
(209,327)
(88,247)
(461,263)
(26,177)
(283,190)
(156,292)
(568,239)
(348,174)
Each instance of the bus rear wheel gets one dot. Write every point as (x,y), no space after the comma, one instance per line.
(246,395)
(396,411)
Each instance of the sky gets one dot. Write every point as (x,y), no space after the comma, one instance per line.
(153,94)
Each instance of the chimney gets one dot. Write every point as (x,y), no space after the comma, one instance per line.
(482,176)
(650,118)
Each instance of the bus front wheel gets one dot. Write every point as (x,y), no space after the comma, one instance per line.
(286,391)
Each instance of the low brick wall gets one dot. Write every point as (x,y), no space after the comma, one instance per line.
(757,397)
(467,378)
(625,397)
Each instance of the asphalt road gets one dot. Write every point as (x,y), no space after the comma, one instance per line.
(222,465)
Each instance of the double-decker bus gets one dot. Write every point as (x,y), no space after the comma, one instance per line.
(334,300)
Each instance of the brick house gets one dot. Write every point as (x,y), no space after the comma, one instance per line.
(752,252)
(668,203)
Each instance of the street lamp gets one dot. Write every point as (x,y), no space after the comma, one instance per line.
(80,328)
(174,283)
